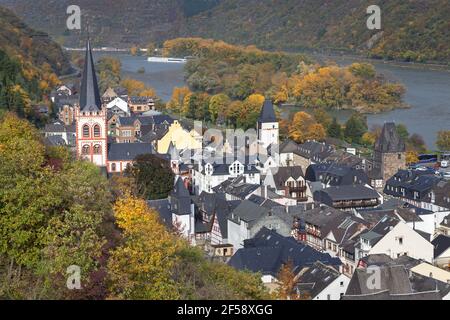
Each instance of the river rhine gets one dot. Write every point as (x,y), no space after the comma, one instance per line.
(428,91)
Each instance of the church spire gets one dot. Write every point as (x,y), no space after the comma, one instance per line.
(89,93)
(267,113)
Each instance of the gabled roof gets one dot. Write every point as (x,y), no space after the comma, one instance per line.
(180,199)
(248,211)
(441,243)
(128,151)
(347,192)
(180,190)
(267,113)
(163,207)
(394,284)
(284,173)
(89,92)
(269,250)
(109,93)
(389,140)
(319,276)
(236,187)
(289,146)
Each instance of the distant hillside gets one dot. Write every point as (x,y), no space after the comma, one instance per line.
(411,30)
(119,23)
(415,30)
(29,65)
(31,47)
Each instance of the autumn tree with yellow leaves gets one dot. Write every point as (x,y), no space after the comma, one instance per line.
(141,266)
(304,127)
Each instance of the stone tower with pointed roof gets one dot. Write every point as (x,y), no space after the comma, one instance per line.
(267,126)
(90,116)
(389,151)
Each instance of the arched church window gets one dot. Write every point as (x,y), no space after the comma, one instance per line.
(86,149)
(96,131)
(97,149)
(85,131)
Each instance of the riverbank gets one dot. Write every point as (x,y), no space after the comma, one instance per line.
(436,66)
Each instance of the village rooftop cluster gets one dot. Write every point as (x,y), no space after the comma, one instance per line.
(337,217)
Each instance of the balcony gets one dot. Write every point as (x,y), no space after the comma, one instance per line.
(300,189)
(355,204)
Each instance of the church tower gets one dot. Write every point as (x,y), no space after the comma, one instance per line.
(90,115)
(267,126)
(390,152)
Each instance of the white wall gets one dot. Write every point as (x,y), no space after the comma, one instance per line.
(414,245)
(268,134)
(237,233)
(430,221)
(334,289)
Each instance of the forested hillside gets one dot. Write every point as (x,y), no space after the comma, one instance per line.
(30,63)
(411,30)
(416,30)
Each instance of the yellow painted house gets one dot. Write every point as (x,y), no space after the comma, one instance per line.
(180,138)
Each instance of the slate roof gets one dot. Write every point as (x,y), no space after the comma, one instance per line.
(89,93)
(268,251)
(59,127)
(412,182)
(441,243)
(374,215)
(128,151)
(323,217)
(288,146)
(249,212)
(284,173)
(394,279)
(236,187)
(267,113)
(379,259)
(54,141)
(217,207)
(441,194)
(347,192)
(163,207)
(389,140)
(264,202)
(314,150)
(318,277)
(109,93)
(180,199)
(396,284)
(334,174)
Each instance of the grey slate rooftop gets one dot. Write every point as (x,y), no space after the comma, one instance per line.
(268,251)
(316,278)
(267,113)
(441,243)
(128,151)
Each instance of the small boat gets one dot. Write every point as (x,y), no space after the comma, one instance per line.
(166,60)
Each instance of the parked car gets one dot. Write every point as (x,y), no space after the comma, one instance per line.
(444,164)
